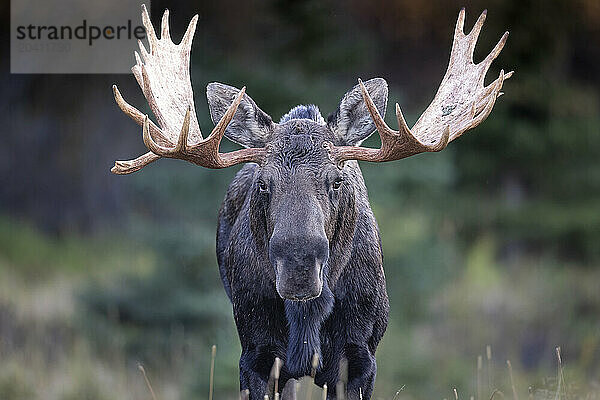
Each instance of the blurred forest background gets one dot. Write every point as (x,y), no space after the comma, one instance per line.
(494,241)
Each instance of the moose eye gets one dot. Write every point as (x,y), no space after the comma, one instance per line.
(263,187)
(337,184)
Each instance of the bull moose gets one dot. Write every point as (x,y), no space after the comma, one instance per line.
(298,247)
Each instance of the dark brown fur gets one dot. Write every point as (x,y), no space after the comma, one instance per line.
(282,213)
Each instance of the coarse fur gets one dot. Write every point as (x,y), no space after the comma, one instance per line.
(298,246)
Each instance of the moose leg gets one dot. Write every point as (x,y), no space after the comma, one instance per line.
(251,379)
(361,372)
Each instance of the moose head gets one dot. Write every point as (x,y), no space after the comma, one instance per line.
(296,221)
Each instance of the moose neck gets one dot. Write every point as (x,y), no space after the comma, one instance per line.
(306,318)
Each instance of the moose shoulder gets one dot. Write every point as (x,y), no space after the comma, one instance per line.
(298,246)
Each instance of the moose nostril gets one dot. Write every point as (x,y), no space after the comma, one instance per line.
(301,251)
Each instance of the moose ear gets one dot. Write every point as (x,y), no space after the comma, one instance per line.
(250,126)
(351,123)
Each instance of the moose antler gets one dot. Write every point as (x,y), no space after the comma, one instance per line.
(461,103)
(164,77)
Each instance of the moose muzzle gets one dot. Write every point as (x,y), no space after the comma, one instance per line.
(299,262)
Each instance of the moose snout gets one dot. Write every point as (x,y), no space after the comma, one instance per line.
(298,262)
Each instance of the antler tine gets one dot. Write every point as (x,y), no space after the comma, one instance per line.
(496,51)
(164,31)
(176,152)
(127,108)
(219,129)
(137,116)
(490,104)
(189,33)
(380,124)
(490,88)
(460,23)
(150,143)
(440,145)
(137,68)
(185,130)
(128,167)
(467,41)
(474,34)
(150,33)
(482,106)
(143,52)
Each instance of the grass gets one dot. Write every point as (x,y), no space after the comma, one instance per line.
(47,351)
(74,370)
(555,388)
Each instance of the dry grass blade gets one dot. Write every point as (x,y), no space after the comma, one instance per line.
(314,365)
(530,393)
(276,372)
(558,387)
(141,368)
(313,372)
(512,381)
(340,390)
(561,375)
(479,372)
(212,372)
(398,392)
(488,353)
(495,392)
